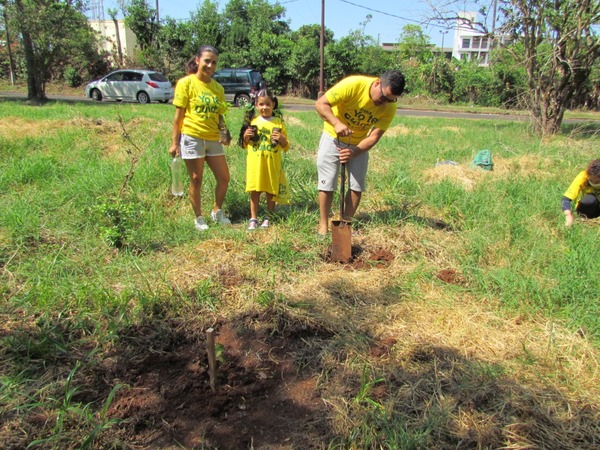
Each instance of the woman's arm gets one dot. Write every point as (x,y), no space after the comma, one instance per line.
(176,136)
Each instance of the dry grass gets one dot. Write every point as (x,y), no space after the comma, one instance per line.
(468,177)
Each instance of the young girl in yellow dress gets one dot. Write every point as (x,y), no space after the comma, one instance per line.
(265,139)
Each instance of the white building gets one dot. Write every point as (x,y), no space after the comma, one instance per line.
(470,44)
(107,30)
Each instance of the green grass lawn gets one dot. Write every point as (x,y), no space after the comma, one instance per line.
(480,329)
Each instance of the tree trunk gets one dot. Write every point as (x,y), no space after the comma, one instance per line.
(35,76)
(119,47)
(11,63)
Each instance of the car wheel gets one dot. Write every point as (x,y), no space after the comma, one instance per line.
(242,99)
(96,95)
(143,97)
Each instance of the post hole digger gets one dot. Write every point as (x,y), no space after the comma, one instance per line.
(341,228)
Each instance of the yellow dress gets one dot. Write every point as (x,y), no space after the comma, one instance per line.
(263,160)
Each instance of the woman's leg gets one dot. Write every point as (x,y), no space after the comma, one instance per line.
(195,168)
(219,168)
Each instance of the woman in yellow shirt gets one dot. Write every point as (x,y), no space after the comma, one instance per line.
(584,190)
(200,103)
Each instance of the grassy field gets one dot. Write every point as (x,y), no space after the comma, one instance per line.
(468,318)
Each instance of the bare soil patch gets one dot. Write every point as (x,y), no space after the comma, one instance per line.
(263,398)
(364,258)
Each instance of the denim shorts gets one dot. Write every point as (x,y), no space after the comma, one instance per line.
(328,165)
(193,148)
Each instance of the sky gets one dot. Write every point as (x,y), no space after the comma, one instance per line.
(341,16)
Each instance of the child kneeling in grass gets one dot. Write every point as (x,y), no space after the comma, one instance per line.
(265,139)
(584,190)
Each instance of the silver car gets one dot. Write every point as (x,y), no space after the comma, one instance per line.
(143,86)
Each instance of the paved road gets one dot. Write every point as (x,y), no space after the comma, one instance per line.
(402,111)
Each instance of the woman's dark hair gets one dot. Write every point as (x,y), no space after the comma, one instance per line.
(192,65)
(207,48)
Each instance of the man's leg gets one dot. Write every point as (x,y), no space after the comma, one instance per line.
(357,172)
(328,161)
(352,202)
(325,199)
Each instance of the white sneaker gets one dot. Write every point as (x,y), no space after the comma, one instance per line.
(265,223)
(219,217)
(252,224)
(200,224)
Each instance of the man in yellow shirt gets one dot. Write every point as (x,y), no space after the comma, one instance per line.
(357,111)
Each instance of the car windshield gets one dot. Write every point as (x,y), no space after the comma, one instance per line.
(256,77)
(157,76)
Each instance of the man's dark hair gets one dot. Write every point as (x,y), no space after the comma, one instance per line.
(394,79)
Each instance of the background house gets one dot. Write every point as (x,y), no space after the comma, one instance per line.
(470,44)
(108,32)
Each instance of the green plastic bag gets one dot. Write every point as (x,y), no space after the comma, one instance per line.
(483,160)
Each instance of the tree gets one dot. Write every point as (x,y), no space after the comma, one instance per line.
(414,44)
(112,12)
(560,49)
(177,47)
(11,64)
(206,26)
(254,35)
(303,65)
(560,46)
(53,34)
(141,20)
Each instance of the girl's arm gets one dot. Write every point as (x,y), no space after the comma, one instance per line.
(566,208)
(280,137)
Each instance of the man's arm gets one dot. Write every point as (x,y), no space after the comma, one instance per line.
(323,107)
(363,146)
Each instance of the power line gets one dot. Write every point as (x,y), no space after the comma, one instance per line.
(382,12)
(422,22)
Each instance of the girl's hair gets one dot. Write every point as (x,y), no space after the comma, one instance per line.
(192,65)
(265,92)
(593,168)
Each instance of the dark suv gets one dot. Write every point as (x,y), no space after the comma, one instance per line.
(241,85)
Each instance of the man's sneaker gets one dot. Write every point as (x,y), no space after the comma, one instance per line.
(252,224)
(200,224)
(265,223)
(219,217)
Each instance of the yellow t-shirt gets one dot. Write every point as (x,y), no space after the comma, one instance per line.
(352,104)
(263,160)
(203,103)
(580,187)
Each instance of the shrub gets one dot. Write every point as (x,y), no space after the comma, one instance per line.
(72,77)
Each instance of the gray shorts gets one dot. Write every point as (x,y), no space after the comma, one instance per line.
(193,148)
(328,164)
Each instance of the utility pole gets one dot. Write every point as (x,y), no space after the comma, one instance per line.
(157,16)
(443,32)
